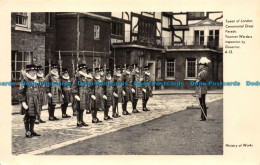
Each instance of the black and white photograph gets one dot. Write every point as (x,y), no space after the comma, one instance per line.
(117,83)
(135,82)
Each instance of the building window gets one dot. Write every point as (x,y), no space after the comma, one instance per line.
(158,68)
(23,21)
(97,62)
(213,39)
(96,32)
(191,68)
(170,68)
(199,37)
(166,22)
(117,28)
(19,62)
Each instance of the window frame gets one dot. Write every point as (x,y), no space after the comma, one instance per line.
(166,69)
(96,37)
(22,61)
(186,69)
(200,36)
(22,27)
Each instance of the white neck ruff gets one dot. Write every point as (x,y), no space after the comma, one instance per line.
(30,77)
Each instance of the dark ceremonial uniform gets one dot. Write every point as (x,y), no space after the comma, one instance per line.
(56,93)
(43,100)
(148,89)
(201,91)
(108,91)
(118,90)
(138,90)
(66,91)
(98,92)
(82,92)
(73,100)
(128,93)
(29,95)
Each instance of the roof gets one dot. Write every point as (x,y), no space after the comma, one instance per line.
(207,22)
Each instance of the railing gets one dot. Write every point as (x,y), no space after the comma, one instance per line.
(190,43)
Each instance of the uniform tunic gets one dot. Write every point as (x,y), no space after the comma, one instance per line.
(128,88)
(81,91)
(108,91)
(147,87)
(30,95)
(118,89)
(99,93)
(138,88)
(202,89)
(43,98)
(54,89)
(66,90)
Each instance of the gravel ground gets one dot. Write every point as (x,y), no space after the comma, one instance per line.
(180,133)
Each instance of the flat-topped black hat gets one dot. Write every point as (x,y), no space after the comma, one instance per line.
(54,66)
(39,67)
(101,69)
(146,68)
(118,67)
(96,69)
(82,66)
(31,67)
(89,71)
(65,70)
(108,71)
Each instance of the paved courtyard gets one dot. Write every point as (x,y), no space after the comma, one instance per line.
(57,134)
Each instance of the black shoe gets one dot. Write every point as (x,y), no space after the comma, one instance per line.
(41,121)
(84,124)
(145,109)
(74,114)
(88,111)
(35,134)
(108,118)
(96,120)
(51,118)
(28,134)
(55,118)
(37,121)
(79,125)
(126,113)
(115,115)
(201,119)
(65,116)
(135,111)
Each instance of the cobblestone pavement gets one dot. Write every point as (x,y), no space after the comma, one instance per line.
(56,134)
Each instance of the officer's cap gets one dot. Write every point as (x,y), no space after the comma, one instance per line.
(54,66)
(39,67)
(82,66)
(31,67)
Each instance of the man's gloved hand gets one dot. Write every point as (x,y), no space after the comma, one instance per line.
(50,95)
(124,93)
(77,97)
(25,106)
(62,96)
(115,94)
(93,97)
(133,91)
(144,90)
(105,97)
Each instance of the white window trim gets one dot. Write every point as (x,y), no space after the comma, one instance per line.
(186,71)
(170,78)
(23,64)
(204,37)
(27,28)
(95,38)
